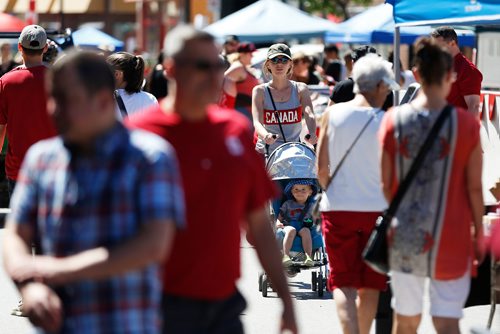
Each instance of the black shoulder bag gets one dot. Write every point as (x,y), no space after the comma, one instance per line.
(375,253)
(121,105)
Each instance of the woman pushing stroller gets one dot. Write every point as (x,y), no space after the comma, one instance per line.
(279,105)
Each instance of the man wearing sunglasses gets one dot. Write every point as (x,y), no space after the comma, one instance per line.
(225,184)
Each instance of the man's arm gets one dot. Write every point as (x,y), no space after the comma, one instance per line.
(151,245)
(265,244)
(473,102)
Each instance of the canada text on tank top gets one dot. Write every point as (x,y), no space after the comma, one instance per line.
(289,112)
(285,116)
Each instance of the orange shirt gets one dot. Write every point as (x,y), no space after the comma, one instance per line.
(447,245)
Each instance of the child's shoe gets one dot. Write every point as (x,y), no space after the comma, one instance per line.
(308,262)
(287,261)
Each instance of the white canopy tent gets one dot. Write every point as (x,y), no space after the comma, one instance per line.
(269,20)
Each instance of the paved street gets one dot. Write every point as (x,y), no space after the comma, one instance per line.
(315,315)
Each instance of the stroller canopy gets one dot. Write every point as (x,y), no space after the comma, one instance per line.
(292,161)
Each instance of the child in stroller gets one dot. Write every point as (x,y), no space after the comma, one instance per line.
(295,218)
(295,164)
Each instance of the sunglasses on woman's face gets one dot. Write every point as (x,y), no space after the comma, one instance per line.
(282,60)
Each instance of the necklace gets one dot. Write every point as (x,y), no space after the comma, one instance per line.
(281,95)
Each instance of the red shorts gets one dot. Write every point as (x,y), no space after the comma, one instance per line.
(346,234)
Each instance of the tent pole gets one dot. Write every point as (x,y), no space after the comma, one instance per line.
(397,65)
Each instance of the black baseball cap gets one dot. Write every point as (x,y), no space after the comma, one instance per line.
(279,49)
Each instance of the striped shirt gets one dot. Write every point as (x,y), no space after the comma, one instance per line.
(77,202)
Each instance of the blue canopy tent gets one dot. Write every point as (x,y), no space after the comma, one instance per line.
(268,20)
(458,12)
(376,25)
(94,38)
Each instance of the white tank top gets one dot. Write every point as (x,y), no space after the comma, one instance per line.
(357,186)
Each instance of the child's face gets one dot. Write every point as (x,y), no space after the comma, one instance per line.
(301,192)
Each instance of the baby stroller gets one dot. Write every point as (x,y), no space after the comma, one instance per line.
(290,162)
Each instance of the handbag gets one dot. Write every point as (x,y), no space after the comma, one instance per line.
(376,253)
(316,213)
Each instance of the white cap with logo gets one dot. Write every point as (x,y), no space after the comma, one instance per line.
(33,37)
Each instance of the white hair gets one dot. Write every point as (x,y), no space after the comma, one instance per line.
(176,39)
(369,71)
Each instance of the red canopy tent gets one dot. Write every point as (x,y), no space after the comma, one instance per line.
(9,23)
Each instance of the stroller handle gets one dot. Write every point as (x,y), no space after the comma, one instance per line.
(307,137)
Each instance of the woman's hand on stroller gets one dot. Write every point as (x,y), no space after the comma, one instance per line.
(311,138)
(270,138)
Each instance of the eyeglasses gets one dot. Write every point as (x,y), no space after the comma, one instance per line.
(277,60)
(202,65)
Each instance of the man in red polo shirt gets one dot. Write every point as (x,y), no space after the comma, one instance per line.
(225,184)
(23,102)
(466,90)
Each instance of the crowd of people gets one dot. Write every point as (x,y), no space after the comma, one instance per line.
(115,192)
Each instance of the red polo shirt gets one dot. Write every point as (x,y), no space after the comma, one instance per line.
(224,179)
(23,108)
(468,81)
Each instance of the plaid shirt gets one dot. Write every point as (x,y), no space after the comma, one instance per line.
(78,202)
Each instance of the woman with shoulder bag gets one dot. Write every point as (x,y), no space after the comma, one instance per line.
(349,171)
(279,105)
(430,236)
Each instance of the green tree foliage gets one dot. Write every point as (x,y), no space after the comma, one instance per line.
(337,7)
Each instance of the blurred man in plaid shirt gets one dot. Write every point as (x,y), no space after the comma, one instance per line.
(102,203)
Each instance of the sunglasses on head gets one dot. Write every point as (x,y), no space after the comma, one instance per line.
(203,64)
(277,60)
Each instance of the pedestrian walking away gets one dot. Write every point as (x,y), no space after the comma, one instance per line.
(225,184)
(23,102)
(104,204)
(129,76)
(349,171)
(23,107)
(440,217)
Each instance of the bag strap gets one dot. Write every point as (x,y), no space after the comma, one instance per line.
(276,113)
(332,176)
(121,105)
(417,162)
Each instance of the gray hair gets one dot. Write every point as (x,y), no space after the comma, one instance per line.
(177,38)
(369,71)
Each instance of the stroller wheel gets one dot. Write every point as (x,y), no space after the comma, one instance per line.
(314,280)
(264,285)
(260,281)
(320,285)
